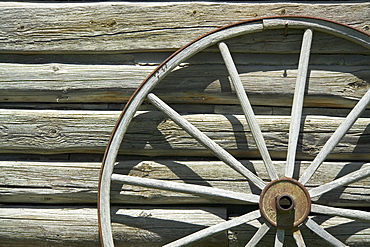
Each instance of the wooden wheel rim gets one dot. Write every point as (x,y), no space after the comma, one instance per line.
(217,36)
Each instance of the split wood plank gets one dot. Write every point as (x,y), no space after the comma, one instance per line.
(150,133)
(77,182)
(114,27)
(350,232)
(329,86)
(78,226)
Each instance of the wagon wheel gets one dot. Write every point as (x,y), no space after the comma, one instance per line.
(284,202)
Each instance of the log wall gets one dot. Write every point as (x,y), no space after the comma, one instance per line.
(67,69)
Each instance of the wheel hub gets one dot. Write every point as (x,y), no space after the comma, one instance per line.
(285,203)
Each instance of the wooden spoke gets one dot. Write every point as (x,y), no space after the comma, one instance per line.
(185,188)
(279,237)
(296,114)
(221,153)
(248,111)
(281,188)
(311,224)
(347,213)
(215,229)
(347,179)
(297,235)
(336,137)
(264,228)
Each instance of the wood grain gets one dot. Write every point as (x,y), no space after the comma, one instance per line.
(78,226)
(52,132)
(330,86)
(145,226)
(115,27)
(76,182)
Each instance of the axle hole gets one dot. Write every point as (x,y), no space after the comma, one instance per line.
(285,202)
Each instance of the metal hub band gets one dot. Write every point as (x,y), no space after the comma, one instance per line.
(285,203)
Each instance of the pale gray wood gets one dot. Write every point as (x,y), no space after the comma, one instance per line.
(347,179)
(296,114)
(279,237)
(336,137)
(247,109)
(77,226)
(297,235)
(312,225)
(330,85)
(215,229)
(221,153)
(104,209)
(264,228)
(114,27)
(42,130)
(48,132)
(76,182)
(347,213)
(186,188)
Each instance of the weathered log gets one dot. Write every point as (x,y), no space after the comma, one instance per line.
(51,132)
(330,86)
(76,182)
(115,27)
(78,226)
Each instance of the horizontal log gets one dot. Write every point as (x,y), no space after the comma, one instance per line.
(78,226)
(76,182)
(150,133)
(352,233)
(329,85)
(115,27)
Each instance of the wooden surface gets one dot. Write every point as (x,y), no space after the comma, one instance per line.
(115,27)
(53,132)
(46,226)
(67,69)
(76,182)
(78,226)
(335,80)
